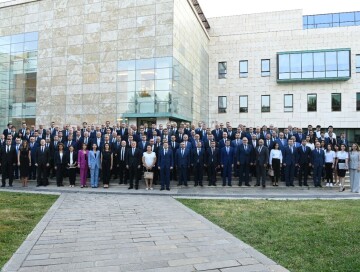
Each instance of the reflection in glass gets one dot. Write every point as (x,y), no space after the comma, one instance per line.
(284,63)
(357,63)
(222,69)
(311,102)
(243,68)
(358,101)
(222,104)
(265,67)
(243,103)
(265,103)
(145,64)
(336,102)
(163,62)
(288,102)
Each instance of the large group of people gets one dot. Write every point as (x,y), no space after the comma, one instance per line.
(161,154)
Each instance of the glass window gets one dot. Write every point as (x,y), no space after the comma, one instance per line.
(31,36)
(222,104)
(143,64)
(163,73)
(284,66)
(357,63)
(31,46)
(243,103)
(17,38)
(265,67)
(222,66)
(5,40)
(295,65)
(243,68)
(163,62)
(347,17)
(336,102)
(126,65)
(288,102)
(265,103)
(358,101)
(163,85)
(145,74)
(311,102)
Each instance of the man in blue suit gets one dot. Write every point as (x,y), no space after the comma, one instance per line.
(182,161)
(304,162)
(244,160)
(227,162)
(33,147)
(318,163)
(290,160)
(197,161)
(165,165)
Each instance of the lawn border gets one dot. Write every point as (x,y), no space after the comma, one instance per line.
(23,251)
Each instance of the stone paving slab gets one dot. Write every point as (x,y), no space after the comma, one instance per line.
(108,232)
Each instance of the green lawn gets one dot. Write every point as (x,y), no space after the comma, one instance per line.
(19,214)
(313,235)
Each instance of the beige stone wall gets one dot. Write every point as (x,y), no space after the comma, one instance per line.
(80,43)
(229,43)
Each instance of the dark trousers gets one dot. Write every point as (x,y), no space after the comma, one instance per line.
(183,175)
(289,174)
(212,174)
(198,174)
(123,173)
(133,174)
(7,172)
(260,174)
(32,173)
(72,176)
(317,175)
(303,173)
(165,177)
(329,172)
(106,173)
(173,174)
(275,164)
(60,169)
(155,170)
(244,173)
(41,174)
(227,172)
(16,171)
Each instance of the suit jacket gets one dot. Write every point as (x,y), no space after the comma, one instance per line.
(290,158)
(118,157)
(8,158)
(198,158)
(262,157)
(245,156)
(235,144)
(270,145)
(318,159)
(227,158)
(83,159)
(212,157)
(182,160)
(143,145)
(58,160)
(42,157)
(165,160)
(222,143)
(218,134)
(134,159)
(67,157)
(94,161)
(231,135)
(304,157)
(282,144)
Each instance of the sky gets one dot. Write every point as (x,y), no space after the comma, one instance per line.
(216,8)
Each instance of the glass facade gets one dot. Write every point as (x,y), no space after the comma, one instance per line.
(155,86)
(331,20)
(18,70)
(314,65)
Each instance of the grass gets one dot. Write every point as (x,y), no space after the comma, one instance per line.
(19,214)
(313,235)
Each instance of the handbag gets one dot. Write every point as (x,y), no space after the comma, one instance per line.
(271,172)
(148,175)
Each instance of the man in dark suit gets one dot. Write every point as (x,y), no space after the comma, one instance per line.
(133,164)
(304,162)
(197,162)
(217,132)
(318,163)
(182,161)
(212,160)
(227,155)
(33,147)
(222,142)
(42,162)
(123,172)
(174,145)
(244,160)
(268,142)
(8,161)
(261,161)
(165,165)
(290,161)
(123,131)
(143,143)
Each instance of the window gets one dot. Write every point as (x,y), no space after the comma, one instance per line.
(314,65)
(288,102)
(265,67)
(243,103)
(357,63)
(222,104)
(331,20)
(265,103)
(358,101)
(311,102)
(336,102)
(243,68)
(222,69)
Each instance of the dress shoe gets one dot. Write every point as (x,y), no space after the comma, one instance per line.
(248,185)
(136,187)
(162,189)
(263,185)
(320,185)
(38,185)
(167,189)
(10,185)
(130,188)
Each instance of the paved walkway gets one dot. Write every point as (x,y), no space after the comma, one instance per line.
(112,232)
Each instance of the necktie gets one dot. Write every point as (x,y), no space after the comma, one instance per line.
(182,152)
(212,151)
(198,151)
(165,150)
(245,147)
(291,150)
(227,150)
(304,149)
(268,142)
(7,149)
(133,151)
(85,140)
(42,149)
(259,149)
(319,151)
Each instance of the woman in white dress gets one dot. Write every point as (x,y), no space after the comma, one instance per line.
(149,160)
(342,166)
(354,168)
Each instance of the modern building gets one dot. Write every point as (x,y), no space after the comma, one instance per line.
(142,61)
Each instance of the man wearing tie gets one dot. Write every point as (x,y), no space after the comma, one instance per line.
(212,160)
(318,163)
(261,161)
(227,162)
(42,160)
(133,164)
(182,161)
(123,171)
(244,160)
(174,145)
(8,161)
(198,164)
(289,162)
(165,165)
(304,162)
(17,148)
